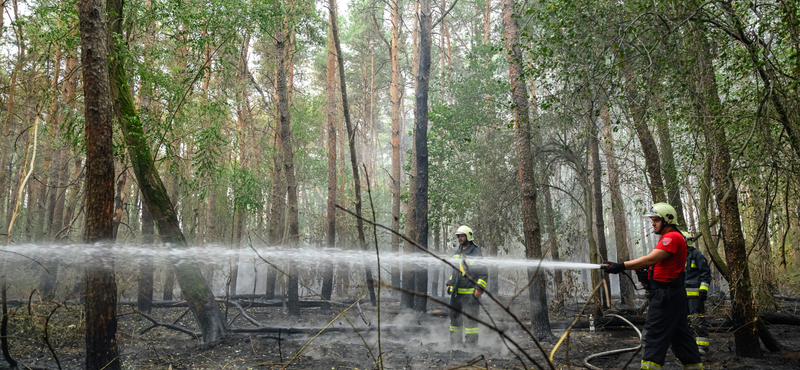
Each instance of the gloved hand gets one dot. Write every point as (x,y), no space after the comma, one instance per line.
(614,267)
(703,295)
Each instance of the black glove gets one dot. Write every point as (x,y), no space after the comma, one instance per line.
(703,295)
(614,267)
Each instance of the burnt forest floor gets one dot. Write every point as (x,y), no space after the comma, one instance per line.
(408,341)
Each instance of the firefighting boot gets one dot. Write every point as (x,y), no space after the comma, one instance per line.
(455,336)
(702,345)
(471,337)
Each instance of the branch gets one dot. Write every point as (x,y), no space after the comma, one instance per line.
(388,45)
(166,325)
(444,14)
(241,309)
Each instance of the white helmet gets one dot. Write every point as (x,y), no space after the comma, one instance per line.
(465,230)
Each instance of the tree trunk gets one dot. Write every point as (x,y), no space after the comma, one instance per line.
(277,204)
(421,142)
(626,287)
(101,287)
(709,109)
(651,159)
(144,301)
(670,169)
(356,178)
(551,239)
(396,160)
(78,174)
(595,171)
(288,166)
(327,274)
(540,323)
(193,286)
(119,200)
(409,276)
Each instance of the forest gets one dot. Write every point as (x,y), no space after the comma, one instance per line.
(277,184)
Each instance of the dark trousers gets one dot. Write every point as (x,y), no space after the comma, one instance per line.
(666,325)
(697,311)
(466,303)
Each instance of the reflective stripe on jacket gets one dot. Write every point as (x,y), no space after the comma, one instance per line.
(467,262)
(698,273)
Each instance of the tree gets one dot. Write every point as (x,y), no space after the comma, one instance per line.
(327,279)
(540,322)
(617,207)
(421,145)
(709,109)
(193,285)
(101,287)
(288,164)
(351,135)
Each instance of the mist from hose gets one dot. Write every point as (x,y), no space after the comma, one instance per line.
(219,254)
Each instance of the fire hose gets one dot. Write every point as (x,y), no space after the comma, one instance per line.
(616,351)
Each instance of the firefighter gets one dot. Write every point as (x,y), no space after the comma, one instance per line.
(465,287)
(666,323)
(698,277)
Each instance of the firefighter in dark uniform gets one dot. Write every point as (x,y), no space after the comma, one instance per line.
(666,323)
(465,294)
(698,277)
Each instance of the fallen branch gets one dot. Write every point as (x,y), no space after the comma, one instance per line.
(241,310)
(157,323)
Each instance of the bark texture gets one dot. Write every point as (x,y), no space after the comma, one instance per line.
(101,287)
(421,143)
(540,322)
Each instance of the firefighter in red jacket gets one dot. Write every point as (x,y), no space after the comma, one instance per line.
(666,323)
(465,287)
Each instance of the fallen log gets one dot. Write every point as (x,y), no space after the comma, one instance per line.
(780,319)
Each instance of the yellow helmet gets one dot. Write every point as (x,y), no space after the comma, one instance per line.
(665,211)
(465,230)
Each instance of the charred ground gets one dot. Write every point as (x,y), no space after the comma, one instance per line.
(408,341)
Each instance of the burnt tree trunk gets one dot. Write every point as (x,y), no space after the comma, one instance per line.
(101,287)
(193,285)
(540,323)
